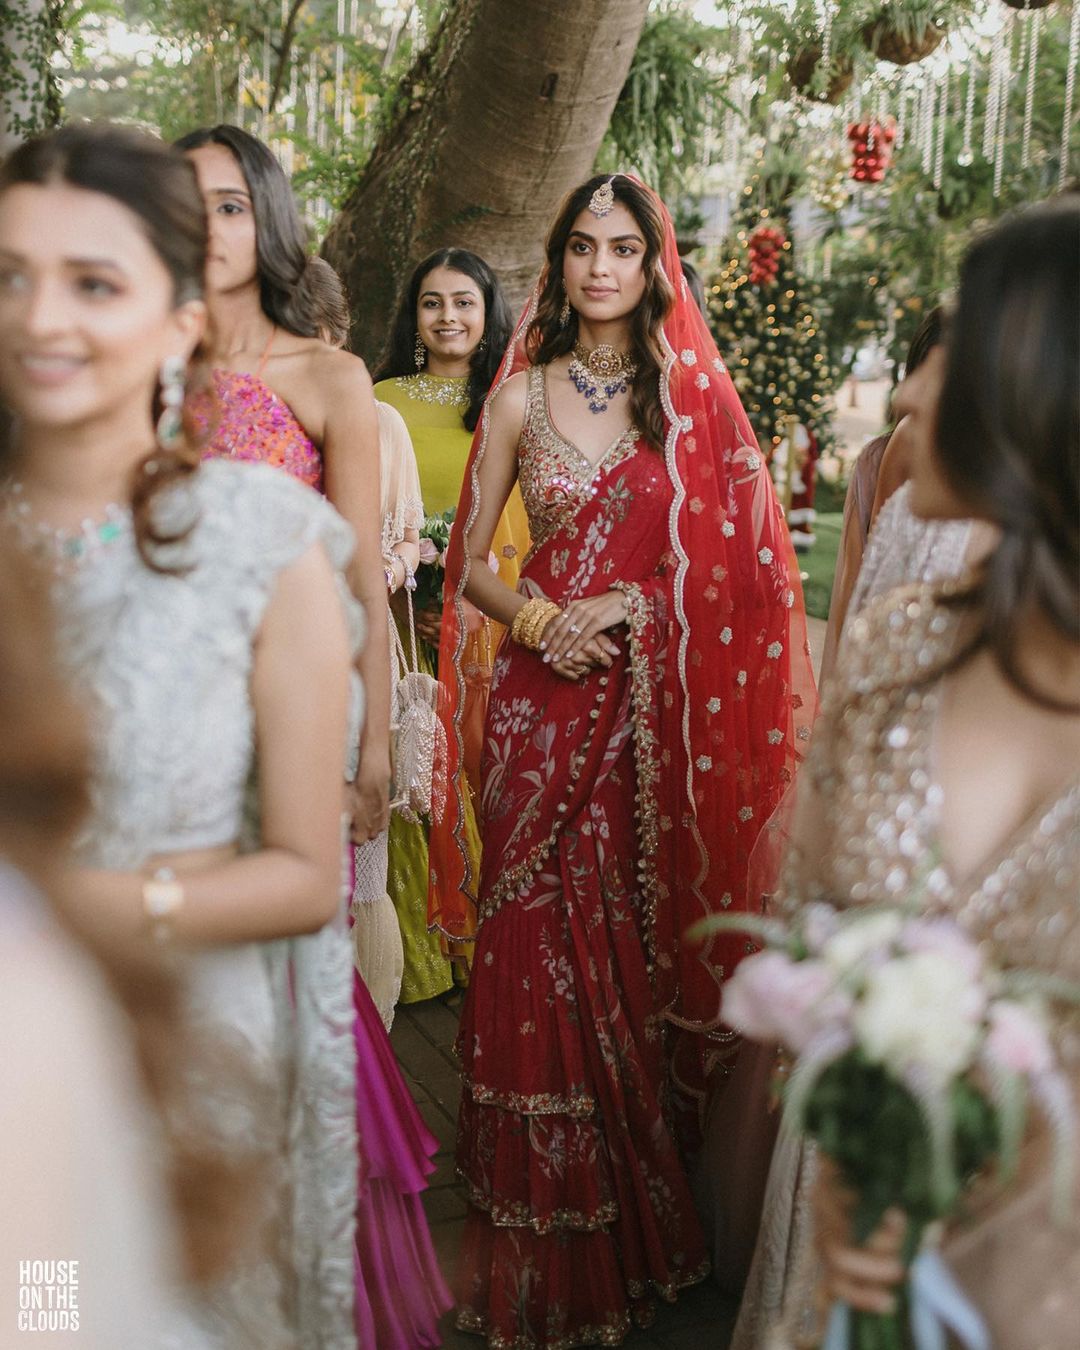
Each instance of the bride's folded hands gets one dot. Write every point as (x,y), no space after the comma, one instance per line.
(579,630)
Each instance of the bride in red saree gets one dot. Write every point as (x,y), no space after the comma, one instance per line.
(643,720)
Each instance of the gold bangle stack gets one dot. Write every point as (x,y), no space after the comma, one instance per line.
(531,620)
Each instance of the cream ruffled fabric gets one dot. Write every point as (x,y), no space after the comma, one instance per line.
(377,945)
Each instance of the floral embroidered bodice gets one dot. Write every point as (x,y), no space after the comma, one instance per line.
(556,477)
(255,425)
(165,660)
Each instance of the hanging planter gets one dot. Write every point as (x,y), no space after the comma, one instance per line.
(902,45)
(803,66)
(902,31)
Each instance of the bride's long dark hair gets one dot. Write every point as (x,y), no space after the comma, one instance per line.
(547,339)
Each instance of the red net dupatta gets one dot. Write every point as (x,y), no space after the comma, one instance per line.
(720,633)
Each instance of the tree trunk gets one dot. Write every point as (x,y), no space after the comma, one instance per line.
(29,97)
(497,119)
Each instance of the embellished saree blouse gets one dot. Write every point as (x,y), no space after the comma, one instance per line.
(255,425)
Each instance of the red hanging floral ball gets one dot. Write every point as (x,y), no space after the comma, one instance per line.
(765,246)
(871,146)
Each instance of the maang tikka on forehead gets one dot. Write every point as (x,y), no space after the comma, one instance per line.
(603,199)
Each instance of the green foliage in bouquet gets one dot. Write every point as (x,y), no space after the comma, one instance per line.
(430,575)
(875,1131)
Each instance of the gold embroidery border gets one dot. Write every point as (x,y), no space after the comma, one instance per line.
(469,883)
(646,759)
(532,1103)
(612,1332)
(518,1215)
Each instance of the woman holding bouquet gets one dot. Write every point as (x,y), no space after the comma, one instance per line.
(449,332)
(644,718)
(908,792)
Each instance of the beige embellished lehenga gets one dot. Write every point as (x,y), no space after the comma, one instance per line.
(867,830)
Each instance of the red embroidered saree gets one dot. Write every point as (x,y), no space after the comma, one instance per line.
(617,810)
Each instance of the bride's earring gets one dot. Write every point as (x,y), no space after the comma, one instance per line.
(564,313)
(420,353)
(170,425)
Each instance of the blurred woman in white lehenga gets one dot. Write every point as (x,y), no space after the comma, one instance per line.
(198,607)
(80,1168)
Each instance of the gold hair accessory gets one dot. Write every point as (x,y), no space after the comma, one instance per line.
(603,199)
(531,620)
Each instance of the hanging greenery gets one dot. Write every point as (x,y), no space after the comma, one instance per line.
(662,114)
(29,94)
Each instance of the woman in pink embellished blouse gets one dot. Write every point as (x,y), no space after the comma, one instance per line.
(289,396)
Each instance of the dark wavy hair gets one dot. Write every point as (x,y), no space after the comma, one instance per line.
(546,339)
(158,186)
(399,358)
(1008,425)
(300,292)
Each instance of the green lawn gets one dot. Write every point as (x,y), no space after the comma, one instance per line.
(819,564)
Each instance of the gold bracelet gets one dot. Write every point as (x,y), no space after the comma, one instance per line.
(531,620)
(547,611)
(523,620)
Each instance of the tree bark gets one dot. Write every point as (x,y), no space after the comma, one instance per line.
(499,117)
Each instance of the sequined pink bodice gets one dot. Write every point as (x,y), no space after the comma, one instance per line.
(254,424)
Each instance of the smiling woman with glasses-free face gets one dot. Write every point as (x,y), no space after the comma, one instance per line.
(87,312)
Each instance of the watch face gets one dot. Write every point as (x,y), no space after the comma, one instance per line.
(162,897)
(157,903)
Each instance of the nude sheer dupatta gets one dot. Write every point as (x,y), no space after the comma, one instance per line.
(718,646)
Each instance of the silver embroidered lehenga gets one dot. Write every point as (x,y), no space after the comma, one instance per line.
(163,662)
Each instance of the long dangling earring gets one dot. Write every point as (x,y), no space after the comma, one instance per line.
(170,425)
(420,353)
(564,313)
(481,346)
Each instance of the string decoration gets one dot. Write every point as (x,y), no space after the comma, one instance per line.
(1029,96)
(1070,85)
(939,154)
(967,154)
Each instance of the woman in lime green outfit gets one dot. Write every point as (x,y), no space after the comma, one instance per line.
(451,327)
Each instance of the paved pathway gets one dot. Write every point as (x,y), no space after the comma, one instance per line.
(423,1038)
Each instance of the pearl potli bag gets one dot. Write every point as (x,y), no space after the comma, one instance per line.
(415,730)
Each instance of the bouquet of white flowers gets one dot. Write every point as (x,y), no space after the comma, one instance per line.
(915,1060)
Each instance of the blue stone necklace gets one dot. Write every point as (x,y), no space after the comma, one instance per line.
(600,374)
